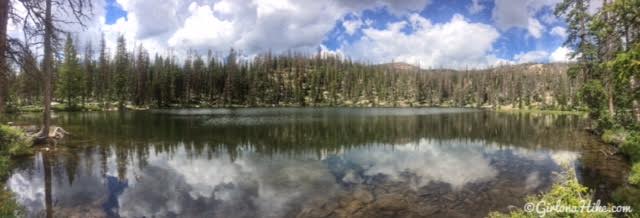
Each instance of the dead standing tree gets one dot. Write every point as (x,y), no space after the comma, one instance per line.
(41,20)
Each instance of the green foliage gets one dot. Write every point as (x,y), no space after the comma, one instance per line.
(4,167)
(593,95)
(634,177)
(567,193)
(121,73)
(71,82)
(615,136)
(631,146)
(13,142)
(628,195)
(31,108)
(8,206)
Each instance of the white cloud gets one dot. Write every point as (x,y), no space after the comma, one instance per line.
(520,14)
(351,26)
(531,57)
(248,25)
(475,7)
(561,54)
(429,162)
(193,34)
(535,28)
(549,18)
(429,45)
(559,31)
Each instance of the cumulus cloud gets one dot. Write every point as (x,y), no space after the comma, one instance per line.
(559,32)
(456,164)
(351,26)
(531,57)
(429,45)
(535,28)
(561,54)
(520,14)
(248,25)
(475,7)
(193,33)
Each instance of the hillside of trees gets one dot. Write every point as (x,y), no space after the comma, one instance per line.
(291,79)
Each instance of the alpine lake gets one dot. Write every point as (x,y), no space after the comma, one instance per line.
(307,162)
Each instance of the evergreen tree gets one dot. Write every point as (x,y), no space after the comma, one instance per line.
(121,72)
(71,79)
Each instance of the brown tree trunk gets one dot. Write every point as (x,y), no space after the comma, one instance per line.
(47,69)
(612,110)
(4,18)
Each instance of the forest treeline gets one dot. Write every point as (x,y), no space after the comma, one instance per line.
(290,79)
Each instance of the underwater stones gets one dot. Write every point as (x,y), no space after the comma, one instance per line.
(363,195)
(391,202)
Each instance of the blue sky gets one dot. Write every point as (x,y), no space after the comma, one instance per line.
(429,33)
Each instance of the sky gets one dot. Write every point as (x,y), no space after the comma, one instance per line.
(428,33)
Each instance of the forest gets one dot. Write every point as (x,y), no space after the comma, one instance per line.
(134,77)
(46,71)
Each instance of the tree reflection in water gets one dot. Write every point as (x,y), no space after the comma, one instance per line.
(296,161)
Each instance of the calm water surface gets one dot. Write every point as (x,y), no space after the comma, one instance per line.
(327,162)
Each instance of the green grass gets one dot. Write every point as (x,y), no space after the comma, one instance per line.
(631,146)
(634,177)
(13,142)
(542,111)
(8,206)
(569,192)
(615,136)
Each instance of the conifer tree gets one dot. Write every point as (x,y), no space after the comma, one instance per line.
(71,79)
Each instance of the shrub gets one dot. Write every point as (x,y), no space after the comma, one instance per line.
(14,142)
(8,206)
(628,195)
(593,95)
(631,146)
(634,177)
(4,167)
(568,193)
(615,136)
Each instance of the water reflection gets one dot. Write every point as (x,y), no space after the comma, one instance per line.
(305,163)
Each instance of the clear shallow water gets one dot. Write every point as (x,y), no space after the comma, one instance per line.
(288,162)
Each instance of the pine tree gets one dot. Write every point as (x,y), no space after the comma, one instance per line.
(71,79)
(121,73)
(230,71)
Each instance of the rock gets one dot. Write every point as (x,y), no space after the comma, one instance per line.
(424,210)
(391,202)
(353,207)
(363,195)
(319,209)
(449,197)
(352,177)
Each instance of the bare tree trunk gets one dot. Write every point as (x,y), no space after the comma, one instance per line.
(612,110)
(4,18)
(47,69)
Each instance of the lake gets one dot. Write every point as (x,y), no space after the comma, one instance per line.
(307,162)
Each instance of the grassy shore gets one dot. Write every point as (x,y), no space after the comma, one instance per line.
(13,143)
(543,111)
(568,192)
